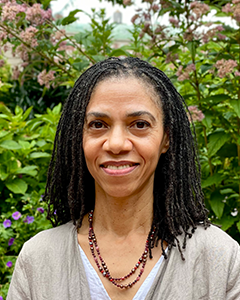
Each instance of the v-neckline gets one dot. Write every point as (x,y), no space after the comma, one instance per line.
(145,285)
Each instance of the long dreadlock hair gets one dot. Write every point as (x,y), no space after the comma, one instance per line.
(178,198)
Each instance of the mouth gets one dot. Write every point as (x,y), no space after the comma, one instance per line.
(118,168)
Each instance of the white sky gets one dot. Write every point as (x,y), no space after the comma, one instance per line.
(127,13)
(86,5)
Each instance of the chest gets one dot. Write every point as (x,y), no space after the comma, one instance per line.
(120,265)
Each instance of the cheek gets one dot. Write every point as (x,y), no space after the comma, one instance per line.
(91,149)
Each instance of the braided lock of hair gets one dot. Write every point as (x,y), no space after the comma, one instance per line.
(178,198)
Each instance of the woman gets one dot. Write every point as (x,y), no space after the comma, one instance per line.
(124,181)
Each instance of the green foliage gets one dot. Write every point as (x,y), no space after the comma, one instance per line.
(25,150)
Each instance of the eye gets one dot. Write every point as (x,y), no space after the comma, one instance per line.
(141,124)
(97,125)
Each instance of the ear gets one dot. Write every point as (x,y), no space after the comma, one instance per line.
(165,143)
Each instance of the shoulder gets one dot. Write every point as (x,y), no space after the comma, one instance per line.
(213,246)
(51,241)
(213,237)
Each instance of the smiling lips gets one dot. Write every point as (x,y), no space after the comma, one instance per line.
(118,168)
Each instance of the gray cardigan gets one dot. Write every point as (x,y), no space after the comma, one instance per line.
(49,267)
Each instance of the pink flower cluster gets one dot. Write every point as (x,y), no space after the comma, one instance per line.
(127,2)
(213,32)
(57,36)
(36,15)
(171,57)
(11,9)
(185,74)
(28,36)
(22,52)
(225,67)
(196,114)
(174,22)
(64,47)
(165,4)
(45,78)
(234,9)
(199,9)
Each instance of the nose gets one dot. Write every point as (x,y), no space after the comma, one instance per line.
(117,141)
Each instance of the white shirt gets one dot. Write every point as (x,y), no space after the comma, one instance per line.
(98,291)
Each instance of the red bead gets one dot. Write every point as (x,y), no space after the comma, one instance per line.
(104,270)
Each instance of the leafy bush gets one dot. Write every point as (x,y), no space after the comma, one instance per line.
(25,149)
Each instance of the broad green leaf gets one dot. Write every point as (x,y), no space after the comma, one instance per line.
(5,116)
(39,154)
(217,203)
(3,173)
(26,114)
(17,186)
(207,121)
(226,222)
(205,67)
(226,191)
(24,144)
(217,98)
(98,58)
(71,17)
(5,110)
(18,110)
(11,145)
(215,179)
(4,133)
(119,52)
(192,48)
(236,106)
(216,141)
(79,66)
(79,37)
(57,109)
(68,83)
(6,156)
(233,196)
(28,170)
(46,3)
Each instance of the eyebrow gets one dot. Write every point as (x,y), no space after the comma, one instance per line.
(138,113)
(141,113)
(97,115)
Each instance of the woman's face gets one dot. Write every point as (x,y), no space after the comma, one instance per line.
(123,137)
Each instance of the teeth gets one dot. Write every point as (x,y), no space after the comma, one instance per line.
(117,167)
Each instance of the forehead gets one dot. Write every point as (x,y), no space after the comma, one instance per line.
(124,92)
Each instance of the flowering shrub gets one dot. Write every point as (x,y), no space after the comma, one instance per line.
(25,149)
(200,57)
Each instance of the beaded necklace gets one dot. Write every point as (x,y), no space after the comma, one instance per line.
(102,267)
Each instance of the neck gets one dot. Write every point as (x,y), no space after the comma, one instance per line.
(121,216)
